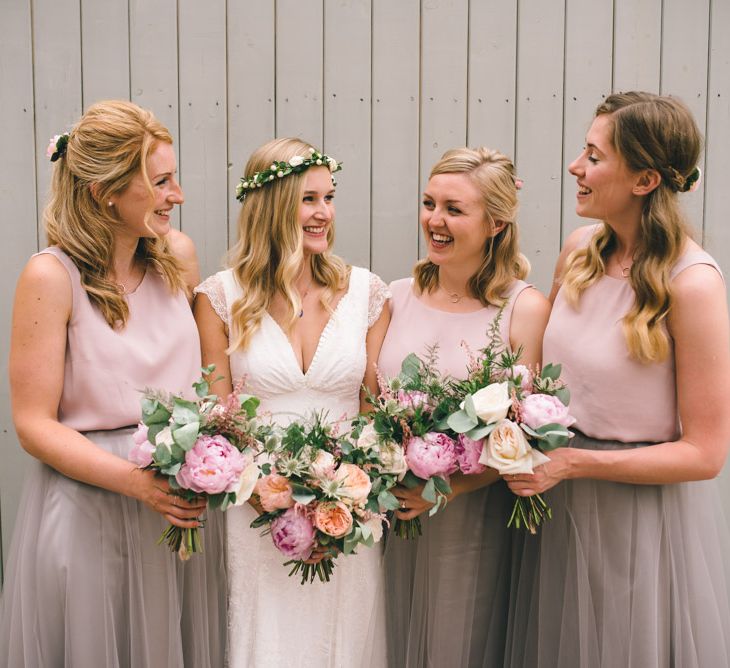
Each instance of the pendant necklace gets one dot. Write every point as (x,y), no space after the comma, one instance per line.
(303,296)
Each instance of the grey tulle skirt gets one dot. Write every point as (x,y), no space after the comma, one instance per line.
(447,591)
(623,575)
(87,585)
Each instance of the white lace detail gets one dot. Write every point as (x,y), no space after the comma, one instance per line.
(212,288)
(379,292)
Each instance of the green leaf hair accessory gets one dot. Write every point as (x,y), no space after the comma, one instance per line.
(280,169)
(692,182)
(57,147)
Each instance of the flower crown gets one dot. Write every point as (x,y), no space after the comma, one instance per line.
(280,169)
(57,146)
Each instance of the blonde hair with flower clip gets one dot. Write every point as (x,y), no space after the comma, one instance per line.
(106,149)
(650,132)
(268,255)
(494,176)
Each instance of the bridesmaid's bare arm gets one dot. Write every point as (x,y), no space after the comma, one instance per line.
(41,312)
(529,318)
(373,343)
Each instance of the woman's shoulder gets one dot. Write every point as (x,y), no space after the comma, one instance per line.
(217,288)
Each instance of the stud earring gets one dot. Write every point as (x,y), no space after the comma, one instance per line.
(110,203)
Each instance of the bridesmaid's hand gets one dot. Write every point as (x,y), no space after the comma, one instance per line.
(412,504)
(322,552)
(156,494)
(544,477)
(255,503)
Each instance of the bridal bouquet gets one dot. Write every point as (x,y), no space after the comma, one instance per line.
(506,410)
(203,447)
(416,445)
(318,493)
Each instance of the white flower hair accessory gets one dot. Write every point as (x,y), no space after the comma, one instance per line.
(57,146)
(280,169)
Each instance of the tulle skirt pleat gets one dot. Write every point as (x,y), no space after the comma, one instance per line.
(87,584)
(447,591)
(623,575)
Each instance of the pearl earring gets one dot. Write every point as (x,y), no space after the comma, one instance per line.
(110,203)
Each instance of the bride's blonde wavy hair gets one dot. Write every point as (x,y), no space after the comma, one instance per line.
(268,255)
(106,149)
(494,175)
(650,132)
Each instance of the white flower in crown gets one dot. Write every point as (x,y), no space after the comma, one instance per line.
(332,163)
(296,161)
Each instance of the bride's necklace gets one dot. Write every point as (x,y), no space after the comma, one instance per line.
(303,296)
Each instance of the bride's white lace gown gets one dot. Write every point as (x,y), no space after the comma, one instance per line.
(273,619)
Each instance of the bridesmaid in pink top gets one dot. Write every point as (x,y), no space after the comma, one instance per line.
(99,315)
(631,569)
(447,590)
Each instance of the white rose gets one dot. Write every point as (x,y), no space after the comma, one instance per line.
(508,451)
(368,439)
(393,460)
(165,438)
(296,161)
(323,465)
(246,483)
(492,402)
(332,164)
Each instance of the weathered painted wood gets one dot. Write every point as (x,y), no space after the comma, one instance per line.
(105,50)
(637,44)
(203,153)
(20,237)
(395,138)
(539,133)
(347,121)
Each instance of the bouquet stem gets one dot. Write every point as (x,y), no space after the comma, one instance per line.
(322,569)
(529,512)
(185,542)
(408,529)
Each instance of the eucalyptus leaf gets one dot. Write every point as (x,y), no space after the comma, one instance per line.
(411,480)
(429,491)
(471,411)
(551,371)
(172,469)
(157,414)
(186,435)
(201,388)
(563,394)
(162,455)
(184,411)
(461,422)
(249,403)
(155,429)
(481,431)
(442,486)
(388,501)
(302,494)
(410,368)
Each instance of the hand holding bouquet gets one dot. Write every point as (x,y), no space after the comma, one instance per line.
(317,494)
(203,447)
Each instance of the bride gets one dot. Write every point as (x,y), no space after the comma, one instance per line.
(302,330)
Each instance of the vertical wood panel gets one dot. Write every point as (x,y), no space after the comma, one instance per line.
(395,138)
(203,146)
(492,75)
(57,80)
(153,65)
(637,45)
(347,121)
(588,66)
(105,50)
(539,140)
(717,163)
(18,206)
(444,51)
(251,84)
(685,37)
(299,69)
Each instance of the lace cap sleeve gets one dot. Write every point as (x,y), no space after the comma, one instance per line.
(212,288)
(379,292)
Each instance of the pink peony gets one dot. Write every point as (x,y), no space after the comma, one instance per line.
(434,454)
(333,518)
(293,534)
(274,492)
(541,409)
(468,452)
(525,375)
(142,450)
(212,466)
(413,399)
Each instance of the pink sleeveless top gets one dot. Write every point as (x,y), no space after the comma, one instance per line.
(414,327)
(105,368)
(613,396)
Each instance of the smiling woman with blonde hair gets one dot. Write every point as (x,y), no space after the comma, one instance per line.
(99,315)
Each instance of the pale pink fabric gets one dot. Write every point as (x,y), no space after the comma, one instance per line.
(106,369)
(612,396)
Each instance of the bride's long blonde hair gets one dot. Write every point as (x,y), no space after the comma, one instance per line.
(650,132)
(268,255)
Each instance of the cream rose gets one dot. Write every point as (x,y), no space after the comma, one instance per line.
(393,460)
(492,402)
(508,451)
(368,438)
(164,437)
(296,161)
(323,465)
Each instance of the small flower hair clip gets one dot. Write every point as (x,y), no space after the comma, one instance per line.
(692,182)
(519,183)
(57,147)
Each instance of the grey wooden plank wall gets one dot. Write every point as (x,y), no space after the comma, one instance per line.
(384,86)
